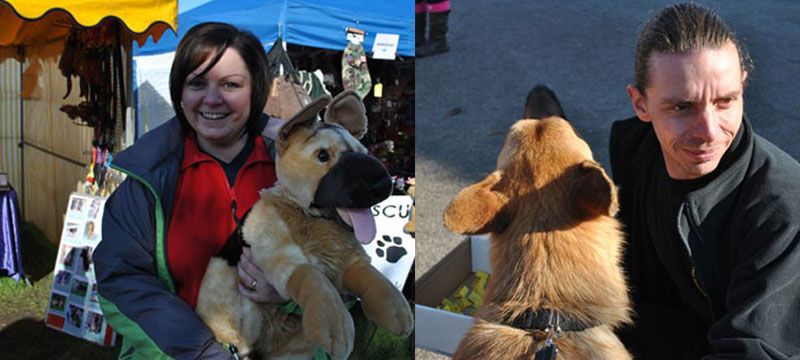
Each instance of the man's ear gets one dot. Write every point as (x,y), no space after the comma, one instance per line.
(593,194)
(478,209)
(638,102)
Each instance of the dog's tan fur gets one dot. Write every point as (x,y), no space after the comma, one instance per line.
(306,257)
(555,244)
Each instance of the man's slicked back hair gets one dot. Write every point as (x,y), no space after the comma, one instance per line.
(681,29)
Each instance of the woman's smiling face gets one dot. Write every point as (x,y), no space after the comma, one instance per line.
(217,104)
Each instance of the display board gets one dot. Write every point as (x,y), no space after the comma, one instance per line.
(73,306)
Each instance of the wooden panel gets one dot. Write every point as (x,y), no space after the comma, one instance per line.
(10,121)
(40,197)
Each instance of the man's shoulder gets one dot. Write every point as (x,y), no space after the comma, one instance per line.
(630,126)
(773,172)
(629,140)
(771,187)
(628,134)
(767,153)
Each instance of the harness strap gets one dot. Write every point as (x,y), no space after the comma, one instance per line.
(543,319)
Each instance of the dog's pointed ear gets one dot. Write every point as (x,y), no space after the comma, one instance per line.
(304,118)
(593,194)
(347,110)
(478,208)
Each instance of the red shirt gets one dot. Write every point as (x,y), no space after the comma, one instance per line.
(202,216)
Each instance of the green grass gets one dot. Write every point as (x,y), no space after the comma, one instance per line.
(373,342)
(23,334)
(38,259)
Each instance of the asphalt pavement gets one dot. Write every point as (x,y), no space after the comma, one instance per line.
(467,99)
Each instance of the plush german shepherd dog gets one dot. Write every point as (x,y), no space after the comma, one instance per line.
(557,287)
(307,256)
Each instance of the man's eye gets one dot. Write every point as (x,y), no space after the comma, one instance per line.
(682,107)
(725,102)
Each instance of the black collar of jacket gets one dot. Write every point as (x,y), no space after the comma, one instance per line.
(542,319)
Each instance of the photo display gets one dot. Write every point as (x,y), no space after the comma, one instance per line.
(73,307)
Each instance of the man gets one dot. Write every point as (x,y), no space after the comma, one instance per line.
(712,210)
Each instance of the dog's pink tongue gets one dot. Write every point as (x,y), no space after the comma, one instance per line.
(362,221)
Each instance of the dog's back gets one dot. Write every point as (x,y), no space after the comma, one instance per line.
(555,250)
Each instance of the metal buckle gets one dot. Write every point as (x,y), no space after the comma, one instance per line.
(549,350)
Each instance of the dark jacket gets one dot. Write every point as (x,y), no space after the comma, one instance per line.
(717,275)
(137,293)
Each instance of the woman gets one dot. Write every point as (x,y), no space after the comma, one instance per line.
(189,182)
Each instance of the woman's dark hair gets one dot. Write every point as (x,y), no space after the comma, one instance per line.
(210,40)
(680,29)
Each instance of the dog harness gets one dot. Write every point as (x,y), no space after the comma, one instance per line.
(552,323)
(543,318)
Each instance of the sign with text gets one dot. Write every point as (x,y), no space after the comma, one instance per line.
(385,46)
(392,251)
(73,307)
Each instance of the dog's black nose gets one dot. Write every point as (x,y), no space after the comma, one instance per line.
(541,103)
(356,181)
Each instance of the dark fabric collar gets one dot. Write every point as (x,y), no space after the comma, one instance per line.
(731,172)
(543,319)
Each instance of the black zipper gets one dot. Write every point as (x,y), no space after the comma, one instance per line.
(696,230)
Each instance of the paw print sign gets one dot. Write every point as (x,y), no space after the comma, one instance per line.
(393,253)
(392,250)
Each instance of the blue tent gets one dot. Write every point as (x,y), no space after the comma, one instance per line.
(319,23)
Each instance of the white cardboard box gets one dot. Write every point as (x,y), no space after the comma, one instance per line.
(438,330)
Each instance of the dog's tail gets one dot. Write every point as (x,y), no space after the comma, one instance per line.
(541,103)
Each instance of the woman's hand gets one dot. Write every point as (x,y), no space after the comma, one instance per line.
(253,283)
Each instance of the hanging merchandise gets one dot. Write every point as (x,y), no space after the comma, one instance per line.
(355,74)
(377,91)
(286,98)
(95,57)
(286,95)
(312,83)
(279,62)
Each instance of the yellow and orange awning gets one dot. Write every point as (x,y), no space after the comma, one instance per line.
(25,22)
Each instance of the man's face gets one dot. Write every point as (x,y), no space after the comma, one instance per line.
(694,102)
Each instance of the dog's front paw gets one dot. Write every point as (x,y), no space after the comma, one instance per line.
(326,321)
(331,327)
(393,315)
(389,309)
(381,301)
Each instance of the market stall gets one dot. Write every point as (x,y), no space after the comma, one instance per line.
(65,95)
(65,92)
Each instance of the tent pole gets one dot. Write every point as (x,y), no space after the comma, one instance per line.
(21,144)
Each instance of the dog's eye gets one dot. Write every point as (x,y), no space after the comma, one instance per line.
(323,156)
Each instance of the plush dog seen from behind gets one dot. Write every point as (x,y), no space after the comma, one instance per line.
(555,250)
(307,253)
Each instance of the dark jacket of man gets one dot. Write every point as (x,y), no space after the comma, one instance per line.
(713,263)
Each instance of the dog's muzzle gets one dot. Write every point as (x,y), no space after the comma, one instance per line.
(356,181)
